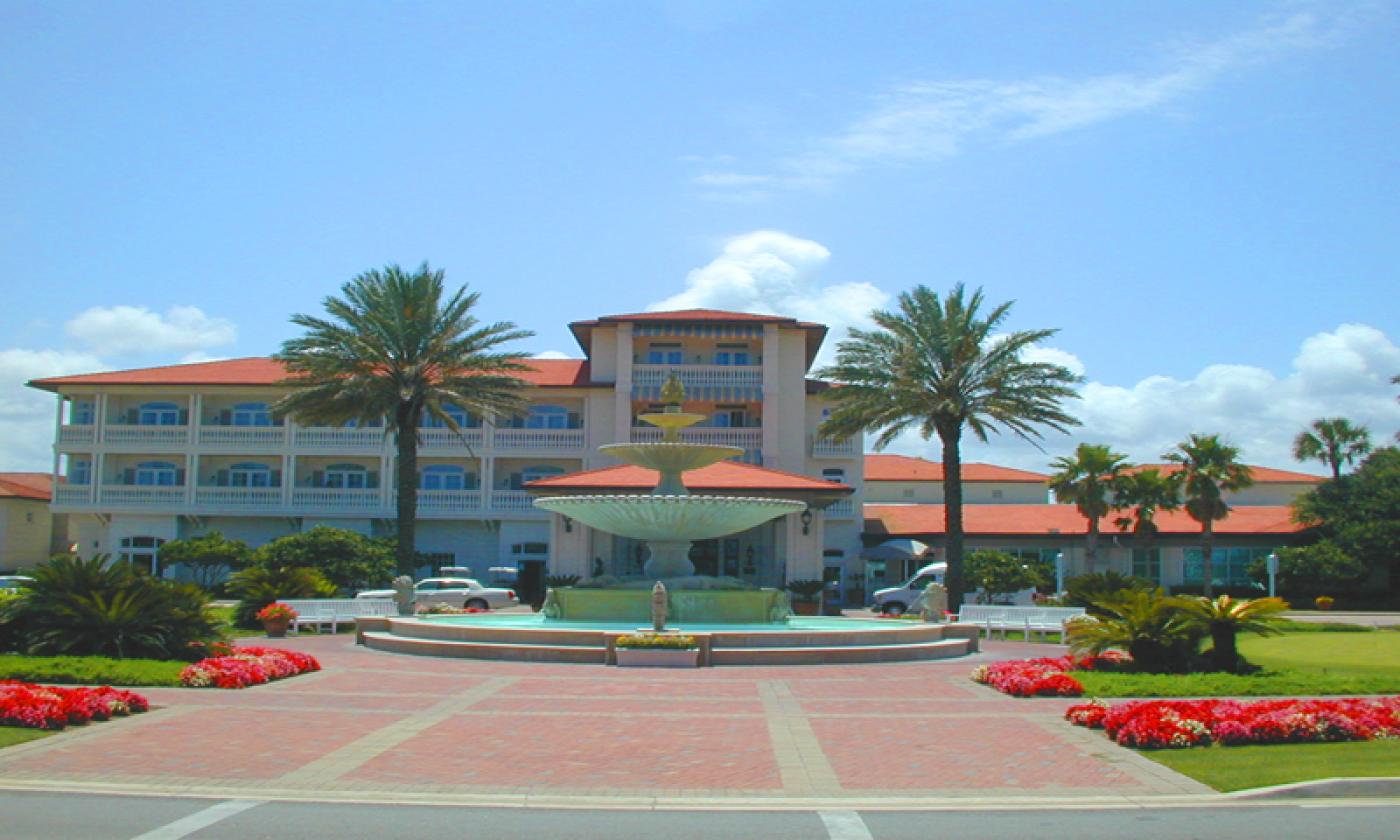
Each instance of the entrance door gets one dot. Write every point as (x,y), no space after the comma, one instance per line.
(833,577)
(705,555)
(529,585)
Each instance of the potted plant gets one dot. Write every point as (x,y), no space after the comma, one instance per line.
(657,650)
(276,618)
(1323,602)
(806,596)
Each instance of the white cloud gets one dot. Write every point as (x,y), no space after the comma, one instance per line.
(933,120)
(551,354)
(1345,373)
(123,330)
(773,273)
(27,415)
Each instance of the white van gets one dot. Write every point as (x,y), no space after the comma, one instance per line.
(898,600)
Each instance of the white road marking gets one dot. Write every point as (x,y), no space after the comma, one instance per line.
(845,825)
(201,819)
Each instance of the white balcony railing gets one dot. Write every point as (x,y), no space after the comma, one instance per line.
(238,497)
(537,439)
(512,501)
(146,435)
(448,439)
(77,434)
(73,494)
(841,509)
(699,376)
(241,436)
(823,447)
(328,437)
(448,501)
(126,495)
(325,498)
(742,438)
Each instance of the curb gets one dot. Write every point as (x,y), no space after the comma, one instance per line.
(1366,787)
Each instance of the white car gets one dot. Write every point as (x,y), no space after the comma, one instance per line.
(898,600)
(455,592)
(14,583)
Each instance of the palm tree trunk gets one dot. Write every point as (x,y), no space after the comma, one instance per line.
(1207,549)
(953,513)
(407,478)
(1091,545)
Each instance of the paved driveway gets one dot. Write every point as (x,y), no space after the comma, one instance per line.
(375,725)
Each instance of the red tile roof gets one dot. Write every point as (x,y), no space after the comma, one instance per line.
(26,485)
(1043,520)
(906,468)
(261,370)
(1262,475)
(726,476)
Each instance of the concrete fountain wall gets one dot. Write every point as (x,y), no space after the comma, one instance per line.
(702,606)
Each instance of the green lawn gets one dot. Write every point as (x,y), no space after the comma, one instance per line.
(11,735)
(89,670)
(1236,768)
(228,628)
(1375,654)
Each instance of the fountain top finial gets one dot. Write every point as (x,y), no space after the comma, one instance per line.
(673,392)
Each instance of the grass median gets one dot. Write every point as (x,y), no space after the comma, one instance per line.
(89,670)
(1238,768)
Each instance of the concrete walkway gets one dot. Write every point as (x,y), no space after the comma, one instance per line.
(380,727)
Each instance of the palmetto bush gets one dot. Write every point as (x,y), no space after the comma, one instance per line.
(94,607)
(1225,617)
(1087,590)
(1146,623)
(258,586)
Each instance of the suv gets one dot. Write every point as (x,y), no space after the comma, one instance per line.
(898,600)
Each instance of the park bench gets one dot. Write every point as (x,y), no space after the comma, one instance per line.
(330,612)
(1041,620)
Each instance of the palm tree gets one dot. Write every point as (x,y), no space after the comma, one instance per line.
(1209,468)
(397,346)
(1333,441)
(1085,481)
(1143,494)
(938,366)
(1225,617)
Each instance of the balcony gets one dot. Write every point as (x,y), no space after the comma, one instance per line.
(537,440)
(823,447)
(336,499)
(448,439)
(130,495)
(840,509)
(238,497)
(242,437)
(338,438)
(73,494)
(745,439)
(696,378)
(514,501)
(146,435)
(448,501)
(77,434)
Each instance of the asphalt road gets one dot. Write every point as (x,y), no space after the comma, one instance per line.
(53,816)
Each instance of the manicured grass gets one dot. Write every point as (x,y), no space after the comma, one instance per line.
(1236,768)
(89,670)
(11,735)
(1329,654)
(228,628)
(1264,684)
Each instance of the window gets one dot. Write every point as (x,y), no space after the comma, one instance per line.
(1147,564)
(834,474)
(155,474)
(143,552)
(80,472)
(347,477)
(664,354)
(250,414)
(530,549)
(445,477)
(547,417)
(730,417)
(530,473)
(82,413)
(463,418)
(1229,566)
(158,414)
(250,474)
(732,354)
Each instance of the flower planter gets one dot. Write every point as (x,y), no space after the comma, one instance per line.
(658,657)
(806,607)
(276,628)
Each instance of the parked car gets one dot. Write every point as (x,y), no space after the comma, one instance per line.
(897,600)
(14,583)
(455,592)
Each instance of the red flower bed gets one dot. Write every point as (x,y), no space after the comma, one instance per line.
(240,667)
(54,707)
(1161,724)
(1048,677)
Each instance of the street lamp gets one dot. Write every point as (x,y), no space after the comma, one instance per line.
(1059,572)
(1271,566)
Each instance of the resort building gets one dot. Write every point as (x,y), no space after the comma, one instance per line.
(150,455)
(29,531)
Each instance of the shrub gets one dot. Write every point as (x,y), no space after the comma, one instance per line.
(51,707)
(1086,590)
(805,590)
(998,573)
(11,630)
(1225,617)
(209,558)
(1324,602)
(1146,623)
(91,607)
(240,667)
(1166,724)
(656,641)
(1314,569)
(347,559)
(258,586)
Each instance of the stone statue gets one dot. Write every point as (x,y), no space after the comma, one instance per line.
(658,606)
(934,602)
(597,567)
(551,608)
(403,594)
(673,392)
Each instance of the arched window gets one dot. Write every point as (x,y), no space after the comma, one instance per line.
(250,414)
(444,477)
(158,414)
(346,477)
(547,417)
(463,418)
(250,474)
(156,474)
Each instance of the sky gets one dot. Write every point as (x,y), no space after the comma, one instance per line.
(1199,196)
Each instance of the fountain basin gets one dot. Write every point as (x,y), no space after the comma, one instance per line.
(699,606)
(670,518)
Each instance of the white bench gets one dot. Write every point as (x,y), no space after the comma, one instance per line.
(1041,620)
(330,612)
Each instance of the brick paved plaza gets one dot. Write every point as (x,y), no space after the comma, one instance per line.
(374,725)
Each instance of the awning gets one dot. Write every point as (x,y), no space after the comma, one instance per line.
(896,549)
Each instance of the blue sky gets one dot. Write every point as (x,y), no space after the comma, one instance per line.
(1201,196)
